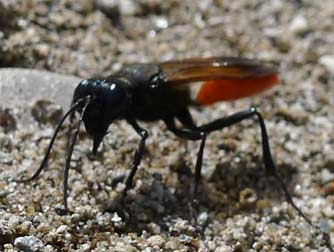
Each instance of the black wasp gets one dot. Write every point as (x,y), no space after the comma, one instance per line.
(151,92)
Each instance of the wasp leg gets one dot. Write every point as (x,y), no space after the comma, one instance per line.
(269,163)
(193,135)
(138,155)
(186,119)
(267,157)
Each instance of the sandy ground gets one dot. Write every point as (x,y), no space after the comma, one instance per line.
(240,208)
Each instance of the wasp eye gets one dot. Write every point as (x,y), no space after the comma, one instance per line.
(84,82)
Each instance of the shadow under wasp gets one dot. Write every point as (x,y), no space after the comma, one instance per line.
(151,92)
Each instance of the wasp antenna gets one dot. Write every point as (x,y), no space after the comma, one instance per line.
(46,157)
(72,112)
(72,142)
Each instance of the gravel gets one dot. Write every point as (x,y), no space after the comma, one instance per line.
(48,46)
(29,244)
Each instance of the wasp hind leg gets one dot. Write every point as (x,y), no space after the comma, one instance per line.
(200,132)
(191,134)
(269,163)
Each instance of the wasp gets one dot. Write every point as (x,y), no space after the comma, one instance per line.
(151,92)
(162,91)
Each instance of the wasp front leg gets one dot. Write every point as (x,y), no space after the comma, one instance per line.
(138,156)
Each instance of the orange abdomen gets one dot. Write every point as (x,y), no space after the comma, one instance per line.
(231,89)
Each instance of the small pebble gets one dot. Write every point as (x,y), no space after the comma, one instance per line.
(297,117)
(329,163)
(129,7)
(109,7)
(202,218)
(7,119)
(6,158)
(172,244)
(24,228)
(43,50)
(328,62)
(156,240)
(61,229)
(326,176)
(247,197)
(44,111)
(7,235)
(117,220)
(29,244)
(262,204)
(154,228)
(299,25)
(329,188)
(161,23)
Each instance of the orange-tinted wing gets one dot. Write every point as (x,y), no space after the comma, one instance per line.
(223,78)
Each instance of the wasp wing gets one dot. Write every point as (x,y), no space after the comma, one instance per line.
(224,78)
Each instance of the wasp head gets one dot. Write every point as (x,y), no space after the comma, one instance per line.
(108,100)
